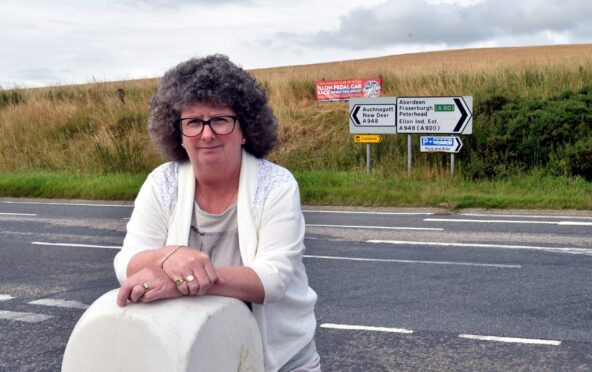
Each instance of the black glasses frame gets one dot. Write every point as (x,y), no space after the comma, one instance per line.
(208,123)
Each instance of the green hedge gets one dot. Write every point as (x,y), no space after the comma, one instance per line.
(554,135)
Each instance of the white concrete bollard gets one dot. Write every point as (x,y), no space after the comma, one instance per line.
(207,334)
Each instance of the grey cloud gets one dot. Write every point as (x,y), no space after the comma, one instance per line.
(419,22)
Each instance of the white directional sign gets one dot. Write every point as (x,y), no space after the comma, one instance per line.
(440,144)
(451,115)
(373,115)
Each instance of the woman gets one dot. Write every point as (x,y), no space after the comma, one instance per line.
(218,219)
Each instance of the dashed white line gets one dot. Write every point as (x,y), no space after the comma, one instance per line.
(378,227)
(5,297)
(574,223)
(524,216)
(415,261)
(18,214)
(371,212)
(23,317)
(560,223)
(570,250)
(488,221)
(78,245)
(365,328)
(60,303)
(514,340)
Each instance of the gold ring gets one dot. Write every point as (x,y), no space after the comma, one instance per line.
(178,282)
(189,278)
(146,286)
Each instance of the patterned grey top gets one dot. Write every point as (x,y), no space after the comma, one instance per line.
(216,235)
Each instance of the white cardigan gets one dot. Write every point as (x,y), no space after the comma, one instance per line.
(271,234)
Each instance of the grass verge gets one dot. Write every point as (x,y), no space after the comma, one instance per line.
(530,191)
(119,186)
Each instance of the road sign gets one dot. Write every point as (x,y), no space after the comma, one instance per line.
(435,115)
(373,115)
(440,144)
(367,138)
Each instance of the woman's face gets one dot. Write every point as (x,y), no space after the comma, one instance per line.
(208,148)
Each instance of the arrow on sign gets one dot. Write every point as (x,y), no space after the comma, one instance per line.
(463,116)
(355,113)
(459,145)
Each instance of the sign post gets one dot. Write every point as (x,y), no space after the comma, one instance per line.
(450,145)
(372,115)
(438,115)
(412,115)
(409,152)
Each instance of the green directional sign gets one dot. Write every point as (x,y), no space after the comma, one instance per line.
(445,108)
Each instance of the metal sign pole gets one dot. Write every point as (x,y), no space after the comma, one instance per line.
(452,164)
(409,154)
(368,158)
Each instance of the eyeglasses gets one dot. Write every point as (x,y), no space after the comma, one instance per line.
(192,127)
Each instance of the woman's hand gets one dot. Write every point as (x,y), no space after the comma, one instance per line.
(192,271)
(147,285)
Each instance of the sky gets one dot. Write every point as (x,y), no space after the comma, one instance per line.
(55,42)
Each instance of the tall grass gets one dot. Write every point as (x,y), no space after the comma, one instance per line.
(91,128)
(101,127)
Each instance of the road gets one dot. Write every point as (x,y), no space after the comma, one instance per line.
(399,290)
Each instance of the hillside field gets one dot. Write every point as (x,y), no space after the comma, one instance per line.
(532,120)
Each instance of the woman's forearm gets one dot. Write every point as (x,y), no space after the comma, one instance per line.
(145,259)
(239,282)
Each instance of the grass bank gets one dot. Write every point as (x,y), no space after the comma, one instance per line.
(355,188)
(531,145)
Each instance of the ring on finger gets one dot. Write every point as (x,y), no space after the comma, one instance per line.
(179,281)
(145,286)
(189,278)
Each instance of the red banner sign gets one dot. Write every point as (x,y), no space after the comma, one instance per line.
(343,90)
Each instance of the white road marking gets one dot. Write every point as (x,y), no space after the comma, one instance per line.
(575,223)
(377,227)
(371,212)
(23,317)
(571,223)
(60,303)
(365,328)
(17,214)
(415,261)
(512,340)
(75,204)
(524,216)
(488,221)
(324,239)
(5,297)
(570,250)
(78,245)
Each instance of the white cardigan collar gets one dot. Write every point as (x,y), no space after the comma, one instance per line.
(247,231)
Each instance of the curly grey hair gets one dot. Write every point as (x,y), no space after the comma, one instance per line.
(215,80)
